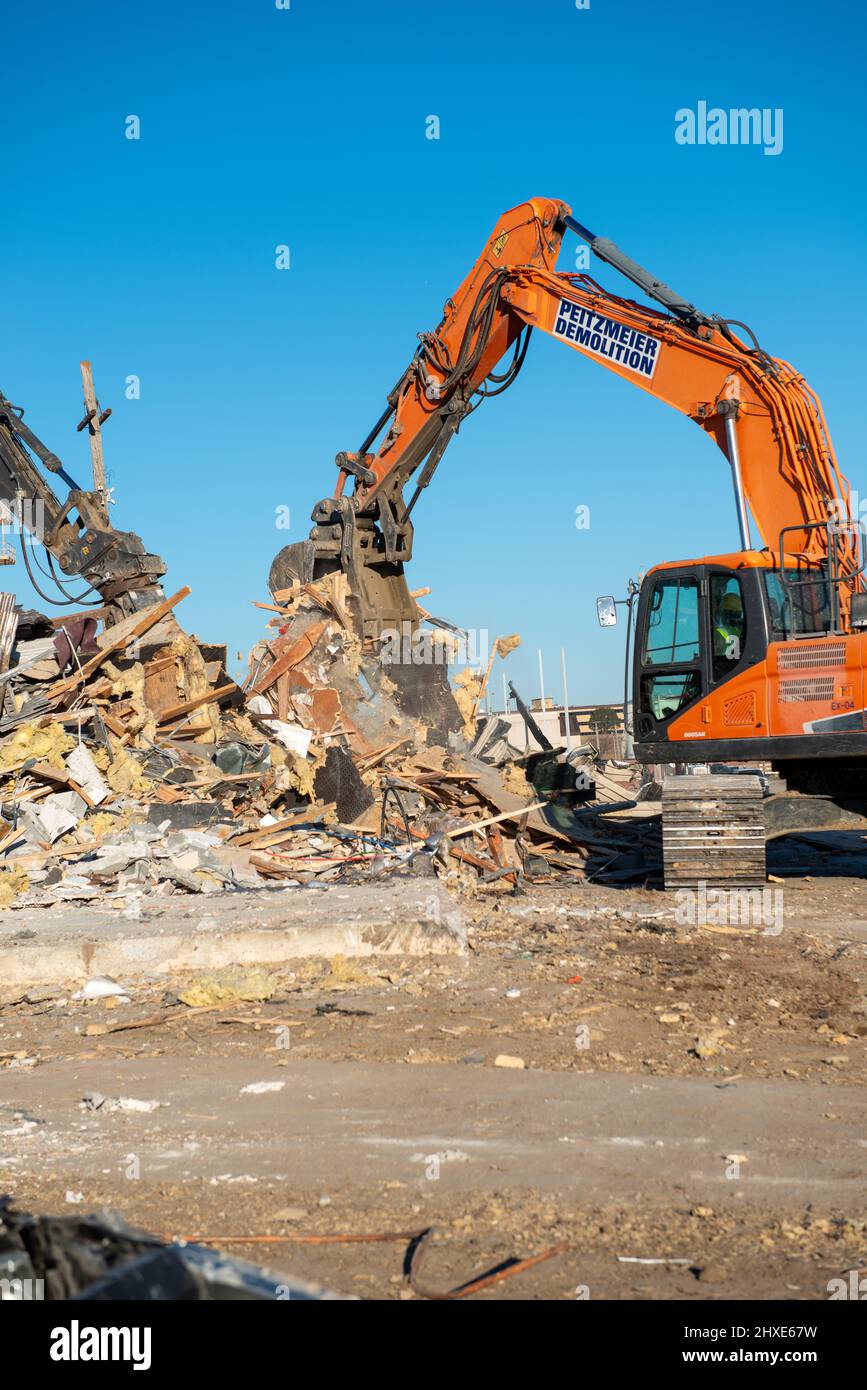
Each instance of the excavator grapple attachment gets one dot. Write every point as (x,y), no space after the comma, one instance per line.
(387,623)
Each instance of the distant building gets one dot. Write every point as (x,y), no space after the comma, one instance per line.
(601,725)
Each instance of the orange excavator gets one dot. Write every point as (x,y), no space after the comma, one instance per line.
(758,654)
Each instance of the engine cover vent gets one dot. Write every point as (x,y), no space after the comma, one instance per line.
(808,690)
(740,711)
(801,655)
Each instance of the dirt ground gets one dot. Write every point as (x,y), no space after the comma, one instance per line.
(690,1095)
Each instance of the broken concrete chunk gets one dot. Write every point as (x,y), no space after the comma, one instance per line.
(102,987)
(53,816)
(80,763)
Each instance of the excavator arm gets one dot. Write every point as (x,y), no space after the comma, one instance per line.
(758,409)
(76,532)
(368,533)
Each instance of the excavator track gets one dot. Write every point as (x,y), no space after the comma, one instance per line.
(713,831)
(716,828)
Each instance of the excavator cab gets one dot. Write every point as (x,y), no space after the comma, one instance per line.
(698,625)
(736,657)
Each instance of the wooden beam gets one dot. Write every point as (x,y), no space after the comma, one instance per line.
(293,654)
(91,407)
(518,812)
(149,617)
(177,711)
(272,834)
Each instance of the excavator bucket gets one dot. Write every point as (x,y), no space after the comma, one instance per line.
(294,564)
(365,530)
(395,659)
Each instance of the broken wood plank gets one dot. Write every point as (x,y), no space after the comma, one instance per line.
(178,711)
(254,838)
(59,777)
(517,814)
(271,868)
(93,420)
(149,617)
(65,618)
(286,595)
(160,690)
(283,696)
(271,608)
(373,758)
(113,725)
(300,648)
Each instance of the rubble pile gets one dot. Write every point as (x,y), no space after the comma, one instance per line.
(131,763)
(462,801)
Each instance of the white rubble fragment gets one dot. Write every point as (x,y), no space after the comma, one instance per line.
(144,1107)
(259,1088)
(292,736)
(95,1100)
(86,773)
(102,987)
(51,817)
(442,1156)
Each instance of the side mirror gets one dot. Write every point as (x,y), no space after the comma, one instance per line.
(606,611)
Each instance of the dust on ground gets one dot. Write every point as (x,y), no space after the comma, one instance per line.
(559,979)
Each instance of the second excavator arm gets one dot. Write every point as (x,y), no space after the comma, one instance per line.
(76,533)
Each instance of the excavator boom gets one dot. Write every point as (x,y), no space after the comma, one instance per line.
(758,409)
(76,533)
(368,533)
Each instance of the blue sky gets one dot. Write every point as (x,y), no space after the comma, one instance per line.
(306,127)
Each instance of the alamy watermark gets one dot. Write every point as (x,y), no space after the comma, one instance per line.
(847,514)
(419,646)
(22,514)
(77,1343)
(21,1290)
(739,125)
(730,907)
(852,1285)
